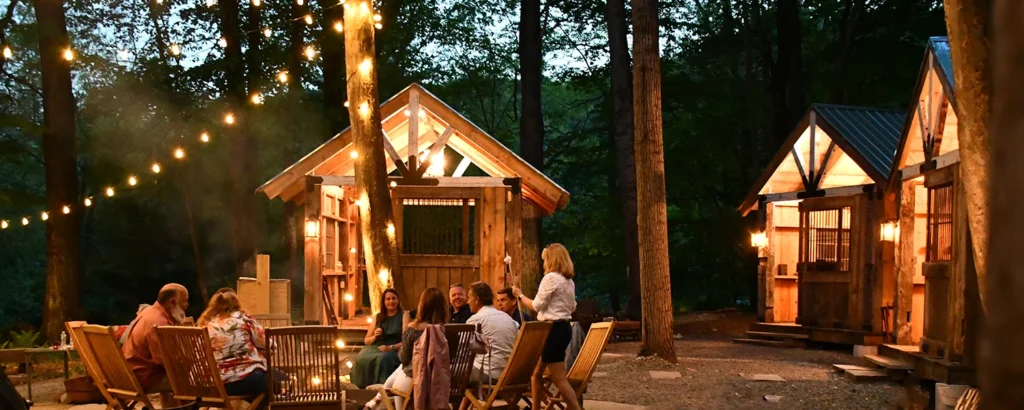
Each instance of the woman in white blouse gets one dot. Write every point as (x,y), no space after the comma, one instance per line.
(555,302)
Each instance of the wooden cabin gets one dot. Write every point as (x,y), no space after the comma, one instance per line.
(937,309)
(819,205)
(455,221)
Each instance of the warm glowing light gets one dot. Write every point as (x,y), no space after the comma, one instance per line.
(364,109)
(159,1)
(758,240)
(436,168)
(363,7)
(890,231)
(308,18)
(423,115)
(383,275)
(339,343)
(316,380)
(257,3)
(211,3)
(376,17)
(88,202)
(338,26)
(179,153)
(348,297)
(223,42)
(132,181)
(175,49)
(312,229)
(68,54)
(348,363)
(122,55)
(66,210)
(391,229)
(346,103)
(365,66)
(257,99)
(45,216)
(155,168)
(407,113)
(359,203)
(282,77)
(8,53)
(310,52)
(24,221)
(4,224)
(352,250)
(204,137)
(345,5)
(229,118)
(354,154)
(110,191)
(300,2)
(378,26)
(368,320)
(267,32)
(394,184)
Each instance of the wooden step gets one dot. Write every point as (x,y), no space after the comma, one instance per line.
(776,328)
(861,373)
(888,363)
(775,336)
(764,342)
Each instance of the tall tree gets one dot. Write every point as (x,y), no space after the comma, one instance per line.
(241,144)
(852,9)
(1002,363)
(376,216)
(531,132)
(59,156)
(652,219)
(333,64)
(787,81)
(295,95)
(622,105)
(967,22)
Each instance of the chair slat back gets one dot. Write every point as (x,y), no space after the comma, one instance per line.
(74,329)
(309,356)
(969,400)
(525,354)
(270,320)
(111,365)
(460,356)
(583,368)
(191,365)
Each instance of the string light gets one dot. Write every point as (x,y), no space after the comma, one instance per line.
(394,184)
(256,99)
(348,296)
(88,202)
(346,103)
(378,26)
(211,3)
(338,26)
(66,210)
(300,2)
(8,53)
(68,54)
(339,344)
(352,250)
(365,66)
(229,118)
(348,363)
(310,52)
(44,216)
(267,32)
(309,19)
(223,42)
(204,137)
(110,191)
(354,154)
(24,221)
(179,153)
(132,181)
(4,224)
(159,1)
(282,77)
(175,49)
(257,3)
(376,17)
(155,168)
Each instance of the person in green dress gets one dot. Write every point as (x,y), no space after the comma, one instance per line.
(379,358)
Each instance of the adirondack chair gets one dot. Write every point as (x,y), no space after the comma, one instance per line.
(74,329)
(969,400)
(116,380)
(270,320)
(461,359)
(309,357)
(583,369)
(514,381)
(192,368)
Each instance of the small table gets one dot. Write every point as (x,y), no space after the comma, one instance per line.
(26,356)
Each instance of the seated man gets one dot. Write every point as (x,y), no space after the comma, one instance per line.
(507,303)
(459,311)
(141,347)
(499,333)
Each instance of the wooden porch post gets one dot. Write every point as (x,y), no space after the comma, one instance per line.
(905,265)
(770,266)
(311,302)
(514,228)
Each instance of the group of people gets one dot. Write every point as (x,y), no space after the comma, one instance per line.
(238,340)
(387,357)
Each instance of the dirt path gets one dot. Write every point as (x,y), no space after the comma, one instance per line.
(709,378)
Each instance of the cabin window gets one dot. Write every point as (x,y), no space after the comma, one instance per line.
(940,223)
(330,242)
(828,240)
(438,226)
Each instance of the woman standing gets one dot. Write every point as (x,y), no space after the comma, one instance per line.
(555,302)
(237,339)
(383,339)
(432,310)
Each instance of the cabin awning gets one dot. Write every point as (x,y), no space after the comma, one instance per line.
(437,122)
(832,146)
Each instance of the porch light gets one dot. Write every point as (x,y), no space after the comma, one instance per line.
(348,297)
(890,230)
(758,240)
(312,229)
(339,344)
(316,380)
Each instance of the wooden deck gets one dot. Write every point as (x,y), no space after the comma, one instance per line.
(927,368)
(819,334)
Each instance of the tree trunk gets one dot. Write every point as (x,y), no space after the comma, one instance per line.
(1002,361)
(240,147)
(295,44)
(292,215)
(376,214)
(194,235)
(59,156)
(531,134)
(851,15)
(333,65)
(622,105)
(787,74)
(967,22)
(652,221)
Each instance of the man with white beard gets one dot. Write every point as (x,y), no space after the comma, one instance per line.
(141,347)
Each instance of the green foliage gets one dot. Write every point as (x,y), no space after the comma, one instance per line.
(24,339)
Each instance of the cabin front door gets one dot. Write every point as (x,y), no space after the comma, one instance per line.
(826,261)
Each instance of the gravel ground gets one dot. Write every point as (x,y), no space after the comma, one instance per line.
(711,368)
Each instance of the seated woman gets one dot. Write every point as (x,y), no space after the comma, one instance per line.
(383,339)
(237,339)
(432,310)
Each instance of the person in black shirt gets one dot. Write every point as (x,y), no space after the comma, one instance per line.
(460,312)
(507,303)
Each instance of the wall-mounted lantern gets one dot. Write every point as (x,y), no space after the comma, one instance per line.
(890,230)
(312,229)
(758,240)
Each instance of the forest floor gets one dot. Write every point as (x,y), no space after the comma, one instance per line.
(710,369)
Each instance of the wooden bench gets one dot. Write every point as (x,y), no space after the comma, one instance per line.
(626,330)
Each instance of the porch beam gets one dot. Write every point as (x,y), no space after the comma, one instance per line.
(340,180)
(939,162)
(825,193)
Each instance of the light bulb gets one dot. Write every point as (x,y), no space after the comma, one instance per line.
(229,119)
(211,3)
(352,250)
(300,2)
(378,26)
(24,221)
(132,181)
(66,210)
(159,1)
(256,99)
(179,153)
(44,216)
(348,363)
(348,297)
(383,275)
(88,202)
(339,343)
(364,109)
(310,52)
(68,54)
(155,168)
(354,154)
(7,53)
(316,380)
(407,113)
(376,17)
(204,137)
(267,32)
(4,224)
(175,49)
(338,26)
(282,77)
(368,320)
(110,191)
(346,103)
(365,66)
(223,42)
(394,184)
(257,3)
(423,115)
(391,229)
(363,7)
(309,19)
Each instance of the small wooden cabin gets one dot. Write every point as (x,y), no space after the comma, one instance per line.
(454,224)
(819,205)
(937,309)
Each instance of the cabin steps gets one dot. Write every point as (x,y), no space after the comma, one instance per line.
(763,342)
(904,353)
(861,373)
(776,336)
(888,363)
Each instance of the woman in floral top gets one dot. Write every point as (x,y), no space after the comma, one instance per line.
(237,339)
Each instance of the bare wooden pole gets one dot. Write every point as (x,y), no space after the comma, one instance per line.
(376,220)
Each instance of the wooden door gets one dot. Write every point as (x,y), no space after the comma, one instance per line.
(827,260)
(938,266)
